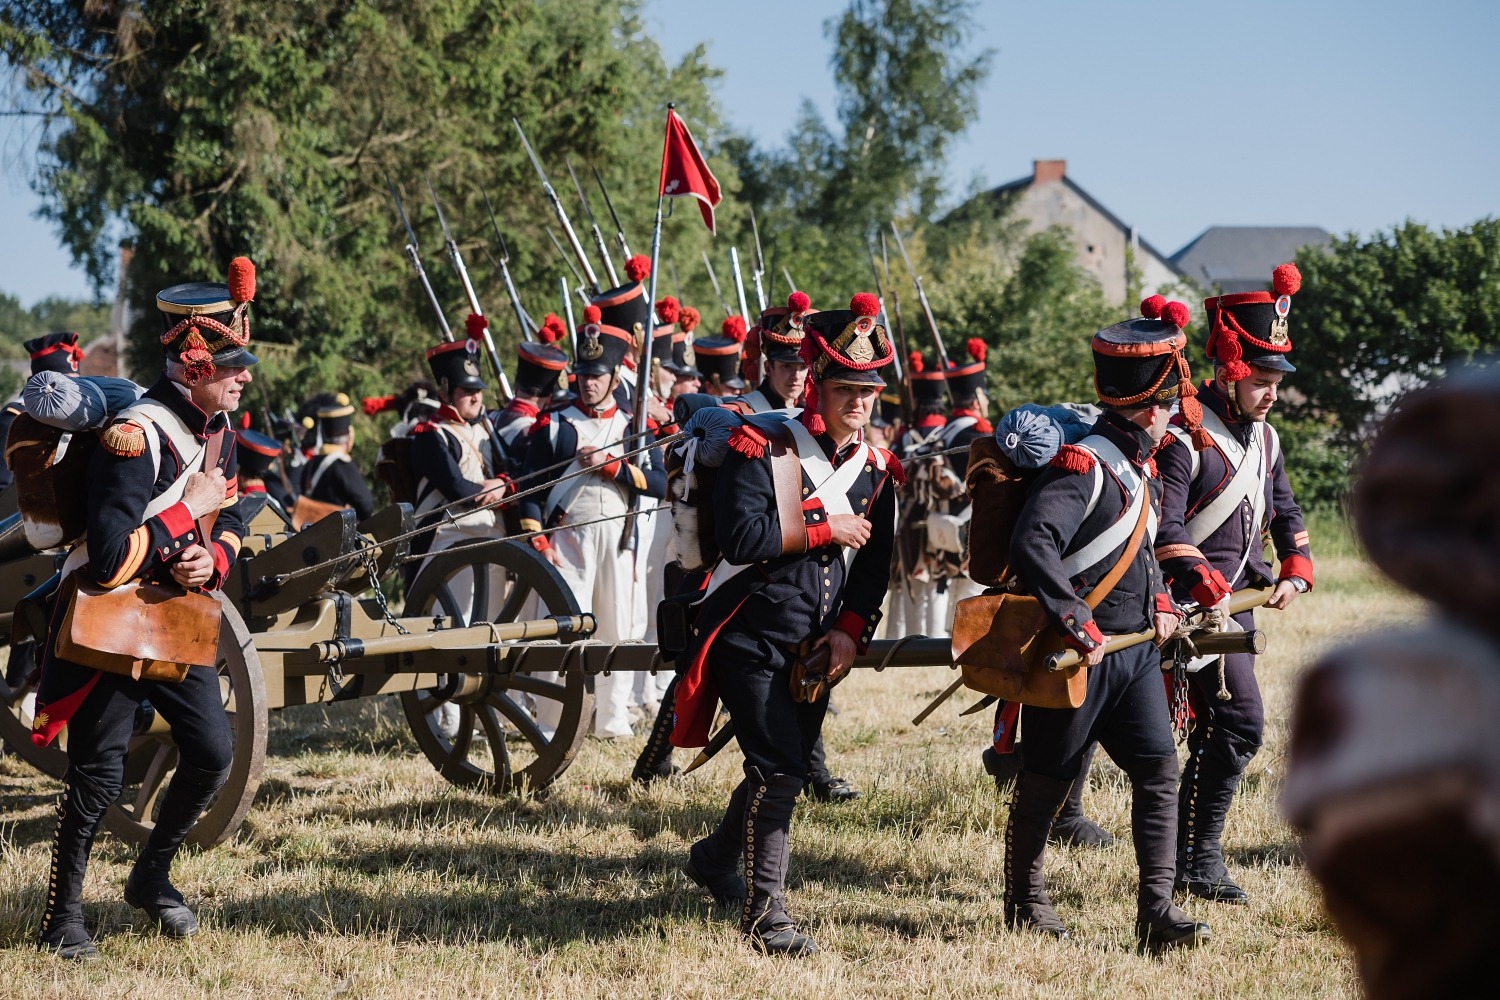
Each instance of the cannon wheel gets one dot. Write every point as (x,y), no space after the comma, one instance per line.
(524,757)
(152,757)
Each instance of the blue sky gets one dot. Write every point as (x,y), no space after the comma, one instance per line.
(1176,115)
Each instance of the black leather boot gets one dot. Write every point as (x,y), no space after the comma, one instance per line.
(1003,767)
(655,761)
(767,846)
(714,862)
(1216,759)
(1072,827)
(79,810)
(1159,923)
(824,786)
(148,887)
(1035,803)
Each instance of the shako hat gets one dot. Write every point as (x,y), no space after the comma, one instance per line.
(780,330)
(255,452)
(208,322)
(684,360)
(967,378)
(1250,328)
(56,352)
(1139,362)
(540,364)
(455,365)
(889,408)
(843,345)
(601,346)
(719,357)
(626,307)
(928,386)
(330,413)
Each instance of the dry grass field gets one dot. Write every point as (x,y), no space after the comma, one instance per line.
(360,873)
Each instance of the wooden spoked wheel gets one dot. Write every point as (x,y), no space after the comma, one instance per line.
(517,732)
(153,756)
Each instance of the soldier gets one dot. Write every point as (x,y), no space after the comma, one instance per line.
(596,561)
(539,368)
(56,352)
(685,377)
(260,487)
(1088,518)
(1221,490)
(719,358)
(154,452)
(813,584)
(330,475)
(917,607)
(778,337)
(968,420)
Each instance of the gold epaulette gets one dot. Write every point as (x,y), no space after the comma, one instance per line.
(125,438)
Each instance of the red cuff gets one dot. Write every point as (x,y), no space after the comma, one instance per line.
(178,520)
(819,535)
(611,468)
(1164,605)
(1083,637)
(1211,587)
(222,558)
(540,542)
(856,627)
(1297,565)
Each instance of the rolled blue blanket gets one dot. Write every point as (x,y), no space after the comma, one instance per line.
(77,402)
(1030,434)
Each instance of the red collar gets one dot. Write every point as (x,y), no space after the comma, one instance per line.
(980,423)
(931,420)
(593,414)
(447,414)
(522,408)
(249,486)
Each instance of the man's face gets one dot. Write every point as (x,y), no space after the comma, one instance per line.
(788,378)
(468,402)
(686,384)
(220,393)
(1257,394)
(593,390)
(1157,426)
(846,408)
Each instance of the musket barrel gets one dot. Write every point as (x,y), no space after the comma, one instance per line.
(559,211)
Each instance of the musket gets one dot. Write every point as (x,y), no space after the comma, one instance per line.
(557,245)
(414,256)
(791,286)
(567,304)
(758,274)
(739,289)
(619,229)
(898,362)
(609,265)
(463,276)
(559,211)
(717,291)
(908,404)
(937,338)
(503,263)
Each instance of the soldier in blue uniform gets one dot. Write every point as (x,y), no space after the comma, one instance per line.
(1222,488)
(154,450)
(56,352)
(260,484)
(783,590)
(539,368)
(1077,524)
(330,475)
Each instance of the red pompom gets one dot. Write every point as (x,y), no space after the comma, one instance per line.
(668,309)
(1074,459)
(475,325)
(1286,280)
(1236,371)
(638,267)
(245,421)
(1151,306)
(241,279)
(733,327)
(977,348)
(553,329)
(592,314)
(864,304)
(1177,314)
(915,363)
(689,320)
(798,302)
(377,404)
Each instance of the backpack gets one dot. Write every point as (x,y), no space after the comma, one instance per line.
(52,496)
(393,468)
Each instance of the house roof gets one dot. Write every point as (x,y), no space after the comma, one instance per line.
(1241,258)
(1017,186)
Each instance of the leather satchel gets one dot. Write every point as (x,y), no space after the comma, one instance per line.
(306,510)
(1001,641)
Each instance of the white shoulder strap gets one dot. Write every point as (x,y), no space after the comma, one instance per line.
(1247,483)
(1117,533)
(327,463)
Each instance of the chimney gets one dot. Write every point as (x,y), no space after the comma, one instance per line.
(1047,171)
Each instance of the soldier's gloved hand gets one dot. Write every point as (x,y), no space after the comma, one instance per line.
(841,654)
(194,567)
(204,492)
(849,530)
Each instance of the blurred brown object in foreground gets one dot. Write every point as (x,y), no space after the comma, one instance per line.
(1394,764)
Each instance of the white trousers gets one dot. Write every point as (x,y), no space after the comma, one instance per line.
(461,587)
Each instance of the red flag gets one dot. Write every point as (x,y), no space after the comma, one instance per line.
(683,171)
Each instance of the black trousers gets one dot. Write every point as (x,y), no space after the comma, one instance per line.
(1243,715)
(1125,711)
(100,730)
(775,733)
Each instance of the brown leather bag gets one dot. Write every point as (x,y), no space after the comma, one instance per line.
(1001,641)
(307,511)
(149,631)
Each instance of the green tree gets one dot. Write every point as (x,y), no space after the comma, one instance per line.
(210,128)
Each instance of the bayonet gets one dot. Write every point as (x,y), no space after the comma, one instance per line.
(414,256)
(908,404)
(567,304)
(503,265)
(898,362)
(937,338)
(619,229)
(790,284)
(609,265)
(457,260)
(739,291)
(758,275)
(559,211)
(717,291)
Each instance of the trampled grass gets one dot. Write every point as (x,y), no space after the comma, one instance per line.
(360,873)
